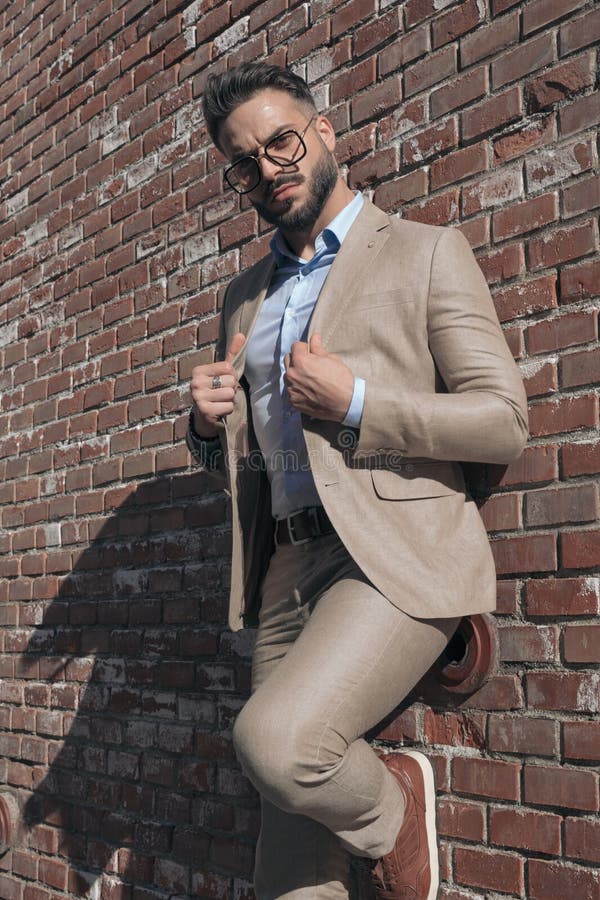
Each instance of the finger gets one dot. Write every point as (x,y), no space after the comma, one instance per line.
(218,368)
(219,409)
(204,382)
(218,395)
(316,345)
(299,350)
(237,342)
(287,361)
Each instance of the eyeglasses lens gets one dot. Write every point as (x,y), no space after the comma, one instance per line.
(284,150)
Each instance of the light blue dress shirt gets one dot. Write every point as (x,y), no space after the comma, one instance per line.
(283,319)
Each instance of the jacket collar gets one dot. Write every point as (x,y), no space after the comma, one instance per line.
(364,241)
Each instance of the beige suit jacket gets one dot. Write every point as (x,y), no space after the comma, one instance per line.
(406,306)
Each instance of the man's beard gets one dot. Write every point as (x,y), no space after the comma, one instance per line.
(320,186)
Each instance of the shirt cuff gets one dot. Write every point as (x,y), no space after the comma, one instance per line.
(355,410)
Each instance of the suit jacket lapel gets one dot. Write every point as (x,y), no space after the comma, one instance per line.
(254,295)
(363,243)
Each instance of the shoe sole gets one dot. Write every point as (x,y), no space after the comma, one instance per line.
(429,789)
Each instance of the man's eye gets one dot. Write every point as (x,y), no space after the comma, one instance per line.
(281,143)
(244,166)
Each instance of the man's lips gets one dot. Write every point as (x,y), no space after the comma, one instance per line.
(282,192)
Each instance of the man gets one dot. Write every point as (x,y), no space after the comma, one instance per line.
(356,364)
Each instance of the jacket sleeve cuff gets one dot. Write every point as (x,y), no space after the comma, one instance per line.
(207,452)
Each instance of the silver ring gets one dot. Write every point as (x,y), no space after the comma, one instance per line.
(216,382)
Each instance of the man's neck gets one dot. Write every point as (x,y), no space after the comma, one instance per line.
(303,242)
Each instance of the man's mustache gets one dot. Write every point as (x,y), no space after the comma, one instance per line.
(285,179)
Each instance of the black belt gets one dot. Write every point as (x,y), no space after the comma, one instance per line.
(302,526)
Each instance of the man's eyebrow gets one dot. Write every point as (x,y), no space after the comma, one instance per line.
(290,127)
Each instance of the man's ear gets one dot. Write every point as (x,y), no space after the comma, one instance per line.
(326,131)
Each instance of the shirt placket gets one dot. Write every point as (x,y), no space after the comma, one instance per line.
(291,331)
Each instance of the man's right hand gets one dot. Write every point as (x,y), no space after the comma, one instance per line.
(209,403)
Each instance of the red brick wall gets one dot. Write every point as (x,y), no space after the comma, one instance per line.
(119,683)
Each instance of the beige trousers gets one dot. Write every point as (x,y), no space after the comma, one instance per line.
(333,657)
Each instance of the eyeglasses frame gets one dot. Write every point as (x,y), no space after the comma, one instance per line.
(265,155)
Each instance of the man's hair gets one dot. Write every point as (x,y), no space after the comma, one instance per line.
(225,92)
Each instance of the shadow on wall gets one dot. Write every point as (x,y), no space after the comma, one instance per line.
(143,788)
(144,690)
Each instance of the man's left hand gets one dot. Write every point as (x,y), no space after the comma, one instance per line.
(318,383)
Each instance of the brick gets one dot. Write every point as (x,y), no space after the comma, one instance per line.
(476,231)
(393,194)
(460,164)
(376,32)
(526,830)
(524,217)
(563,690)
(579,282)
(559,83)
(418,10)
(402,120)
(582,839)
(463,90)
(376,101)
(524,735)
(561,787)
(578,503)
(456,818)
(580,549)
(562,331)
(543,12)
(501,512)
(456,22)
(540,378)
(518,142)
(556,165)
(373,169)
(454,729)
(535,465)
(526,297)
(404,49)
(495,189)
(580,458)
(527,553)
(316,36)
(352,80)
(579,368)
(528,643)
(492,114)
(563,414)
(581,197)
(439,210)
(429,71)
(489,870)
(562,245)
(486,778)
(430,142)
(579,115)
(581,644)
(488,40)
(351,14)
(580,32)
(563,596)
(549,880)
(526,58)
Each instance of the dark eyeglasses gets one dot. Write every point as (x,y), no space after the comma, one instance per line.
(286,149)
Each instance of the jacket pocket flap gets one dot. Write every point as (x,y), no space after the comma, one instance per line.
(409,482)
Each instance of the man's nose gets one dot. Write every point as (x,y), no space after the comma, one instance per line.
(268,168)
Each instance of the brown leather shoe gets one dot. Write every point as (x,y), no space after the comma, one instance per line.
(410,871)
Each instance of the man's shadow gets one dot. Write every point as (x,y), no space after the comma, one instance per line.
(144,687)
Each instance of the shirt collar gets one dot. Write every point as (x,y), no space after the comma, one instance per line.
(329,239)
